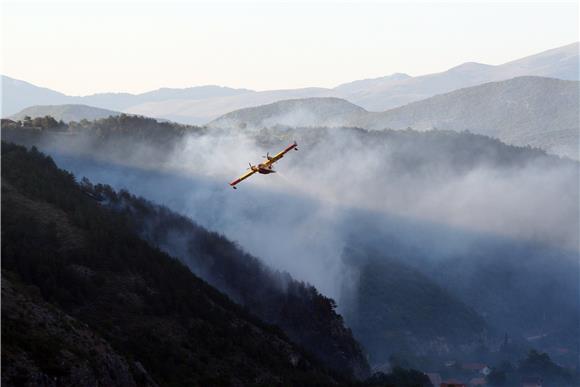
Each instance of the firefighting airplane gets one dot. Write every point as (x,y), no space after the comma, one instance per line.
(265,167)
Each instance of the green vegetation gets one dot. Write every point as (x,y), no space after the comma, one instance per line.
(521,288)
(432,153)
(39,340)
(137,128)
(308,317)
(87,261)
(399,377)
(41,122)
(107,137)
(536,365)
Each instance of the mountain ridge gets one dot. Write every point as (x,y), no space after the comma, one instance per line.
(524,111)
(377,94)
(561,63)
(65,113)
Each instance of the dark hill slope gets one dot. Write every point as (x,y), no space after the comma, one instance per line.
(88,263)
(395,308)
(62,348)
(308,317)
(425,161)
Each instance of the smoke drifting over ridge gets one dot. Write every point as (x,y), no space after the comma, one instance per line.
(302,219)
(481,234)
(531,199)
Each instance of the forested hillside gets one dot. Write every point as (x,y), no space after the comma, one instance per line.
(397,309)
(308,317)
(470,227)
(109,137)
(153,317)
(407,149)
(533,111)
(387,296)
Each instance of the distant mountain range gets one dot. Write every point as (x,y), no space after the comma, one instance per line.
(535,111)
(524,111)
(199,105)
(201,111)
(385,93)
(18,95)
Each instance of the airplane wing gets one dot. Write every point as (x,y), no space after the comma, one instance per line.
(243,177)
(281,154)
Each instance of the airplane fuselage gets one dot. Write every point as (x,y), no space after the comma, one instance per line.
(263,169)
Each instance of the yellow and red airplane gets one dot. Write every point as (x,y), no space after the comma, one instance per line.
(265,167)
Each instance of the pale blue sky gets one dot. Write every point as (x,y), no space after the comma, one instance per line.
(84,47)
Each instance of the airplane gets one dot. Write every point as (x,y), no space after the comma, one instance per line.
(265,167)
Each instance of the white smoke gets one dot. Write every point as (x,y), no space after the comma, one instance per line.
(299,220)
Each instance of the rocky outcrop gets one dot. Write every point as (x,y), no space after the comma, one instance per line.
(42,346)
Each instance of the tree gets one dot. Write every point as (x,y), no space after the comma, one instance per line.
(540,364)
(400,377)
(497,378)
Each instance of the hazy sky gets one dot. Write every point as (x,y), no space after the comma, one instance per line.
(85,47)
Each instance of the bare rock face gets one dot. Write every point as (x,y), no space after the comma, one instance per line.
(32,328)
